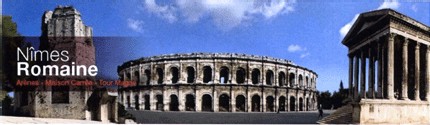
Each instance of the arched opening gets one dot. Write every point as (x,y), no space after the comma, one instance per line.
(301,81)
(190,103)
(240,75)
(190,74)
(160,75)
(148,77)
(307,104)
(207,103)
(128,102)
(292,103)
(223,75)
(137,77)
(128,76)
(255,103)
(281,104)
(307,82)
(175,74)
(300,104)
(292,78)
(147,102)
(136,102)
(159,104)
(269,77)
(281,79)
(224,105)
(240,103)
(255,76)
(174,103)
(270,107)
(207,74)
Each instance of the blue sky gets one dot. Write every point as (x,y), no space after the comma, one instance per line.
(309,33)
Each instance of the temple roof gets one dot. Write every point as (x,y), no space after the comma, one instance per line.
(372,18)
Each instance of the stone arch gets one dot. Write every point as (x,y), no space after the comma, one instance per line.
(207,74)
(136,102)
(137,77)
(307,81)
(224,75)
(240,75)
(307,104)
(128,76)
(224,103)
(292,79)
(269,77)
(147,102)
(301,81)
(128,101)
(240,103)
(159,104)
(300,104)
(255,103)
(270,106)
(148,76)
(175,74)
(160,75)
(292,103)
(207,103)
(255,76)
(190,74)
(190,102)
(281,78)
(281,103)
(174,103)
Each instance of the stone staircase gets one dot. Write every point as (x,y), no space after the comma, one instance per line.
(342,115)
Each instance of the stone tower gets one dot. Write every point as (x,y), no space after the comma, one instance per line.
(63,29)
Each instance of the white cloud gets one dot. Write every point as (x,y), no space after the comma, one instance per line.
(299,50)
(166,12)
(393,4)
(414,8)
(225,14)
(303,55)
(344,30)
(135,25)
(294,48)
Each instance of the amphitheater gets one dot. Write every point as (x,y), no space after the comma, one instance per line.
(217,82)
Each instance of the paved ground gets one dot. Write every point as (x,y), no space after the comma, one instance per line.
(229,118)
(32,120)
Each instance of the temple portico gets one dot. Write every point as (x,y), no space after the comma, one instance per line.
(389,68)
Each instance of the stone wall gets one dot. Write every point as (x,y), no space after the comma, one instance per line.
(220,76)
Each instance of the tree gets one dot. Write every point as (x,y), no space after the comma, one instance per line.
(11,41)
(341,85)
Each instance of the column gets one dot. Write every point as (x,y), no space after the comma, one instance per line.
(417,72)
(351,64)
(363,75)
(356,77)
(428,74)
(132,104)
(390,67)
(379,70)
(404,95)
(371,81)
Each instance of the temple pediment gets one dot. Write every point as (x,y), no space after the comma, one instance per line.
(376,21)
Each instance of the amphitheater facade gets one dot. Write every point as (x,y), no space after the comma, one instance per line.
(217,82)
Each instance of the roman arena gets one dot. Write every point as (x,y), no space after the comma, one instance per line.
(217,82)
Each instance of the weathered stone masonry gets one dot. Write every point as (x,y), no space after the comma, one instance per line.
(394,49)
(219,82)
